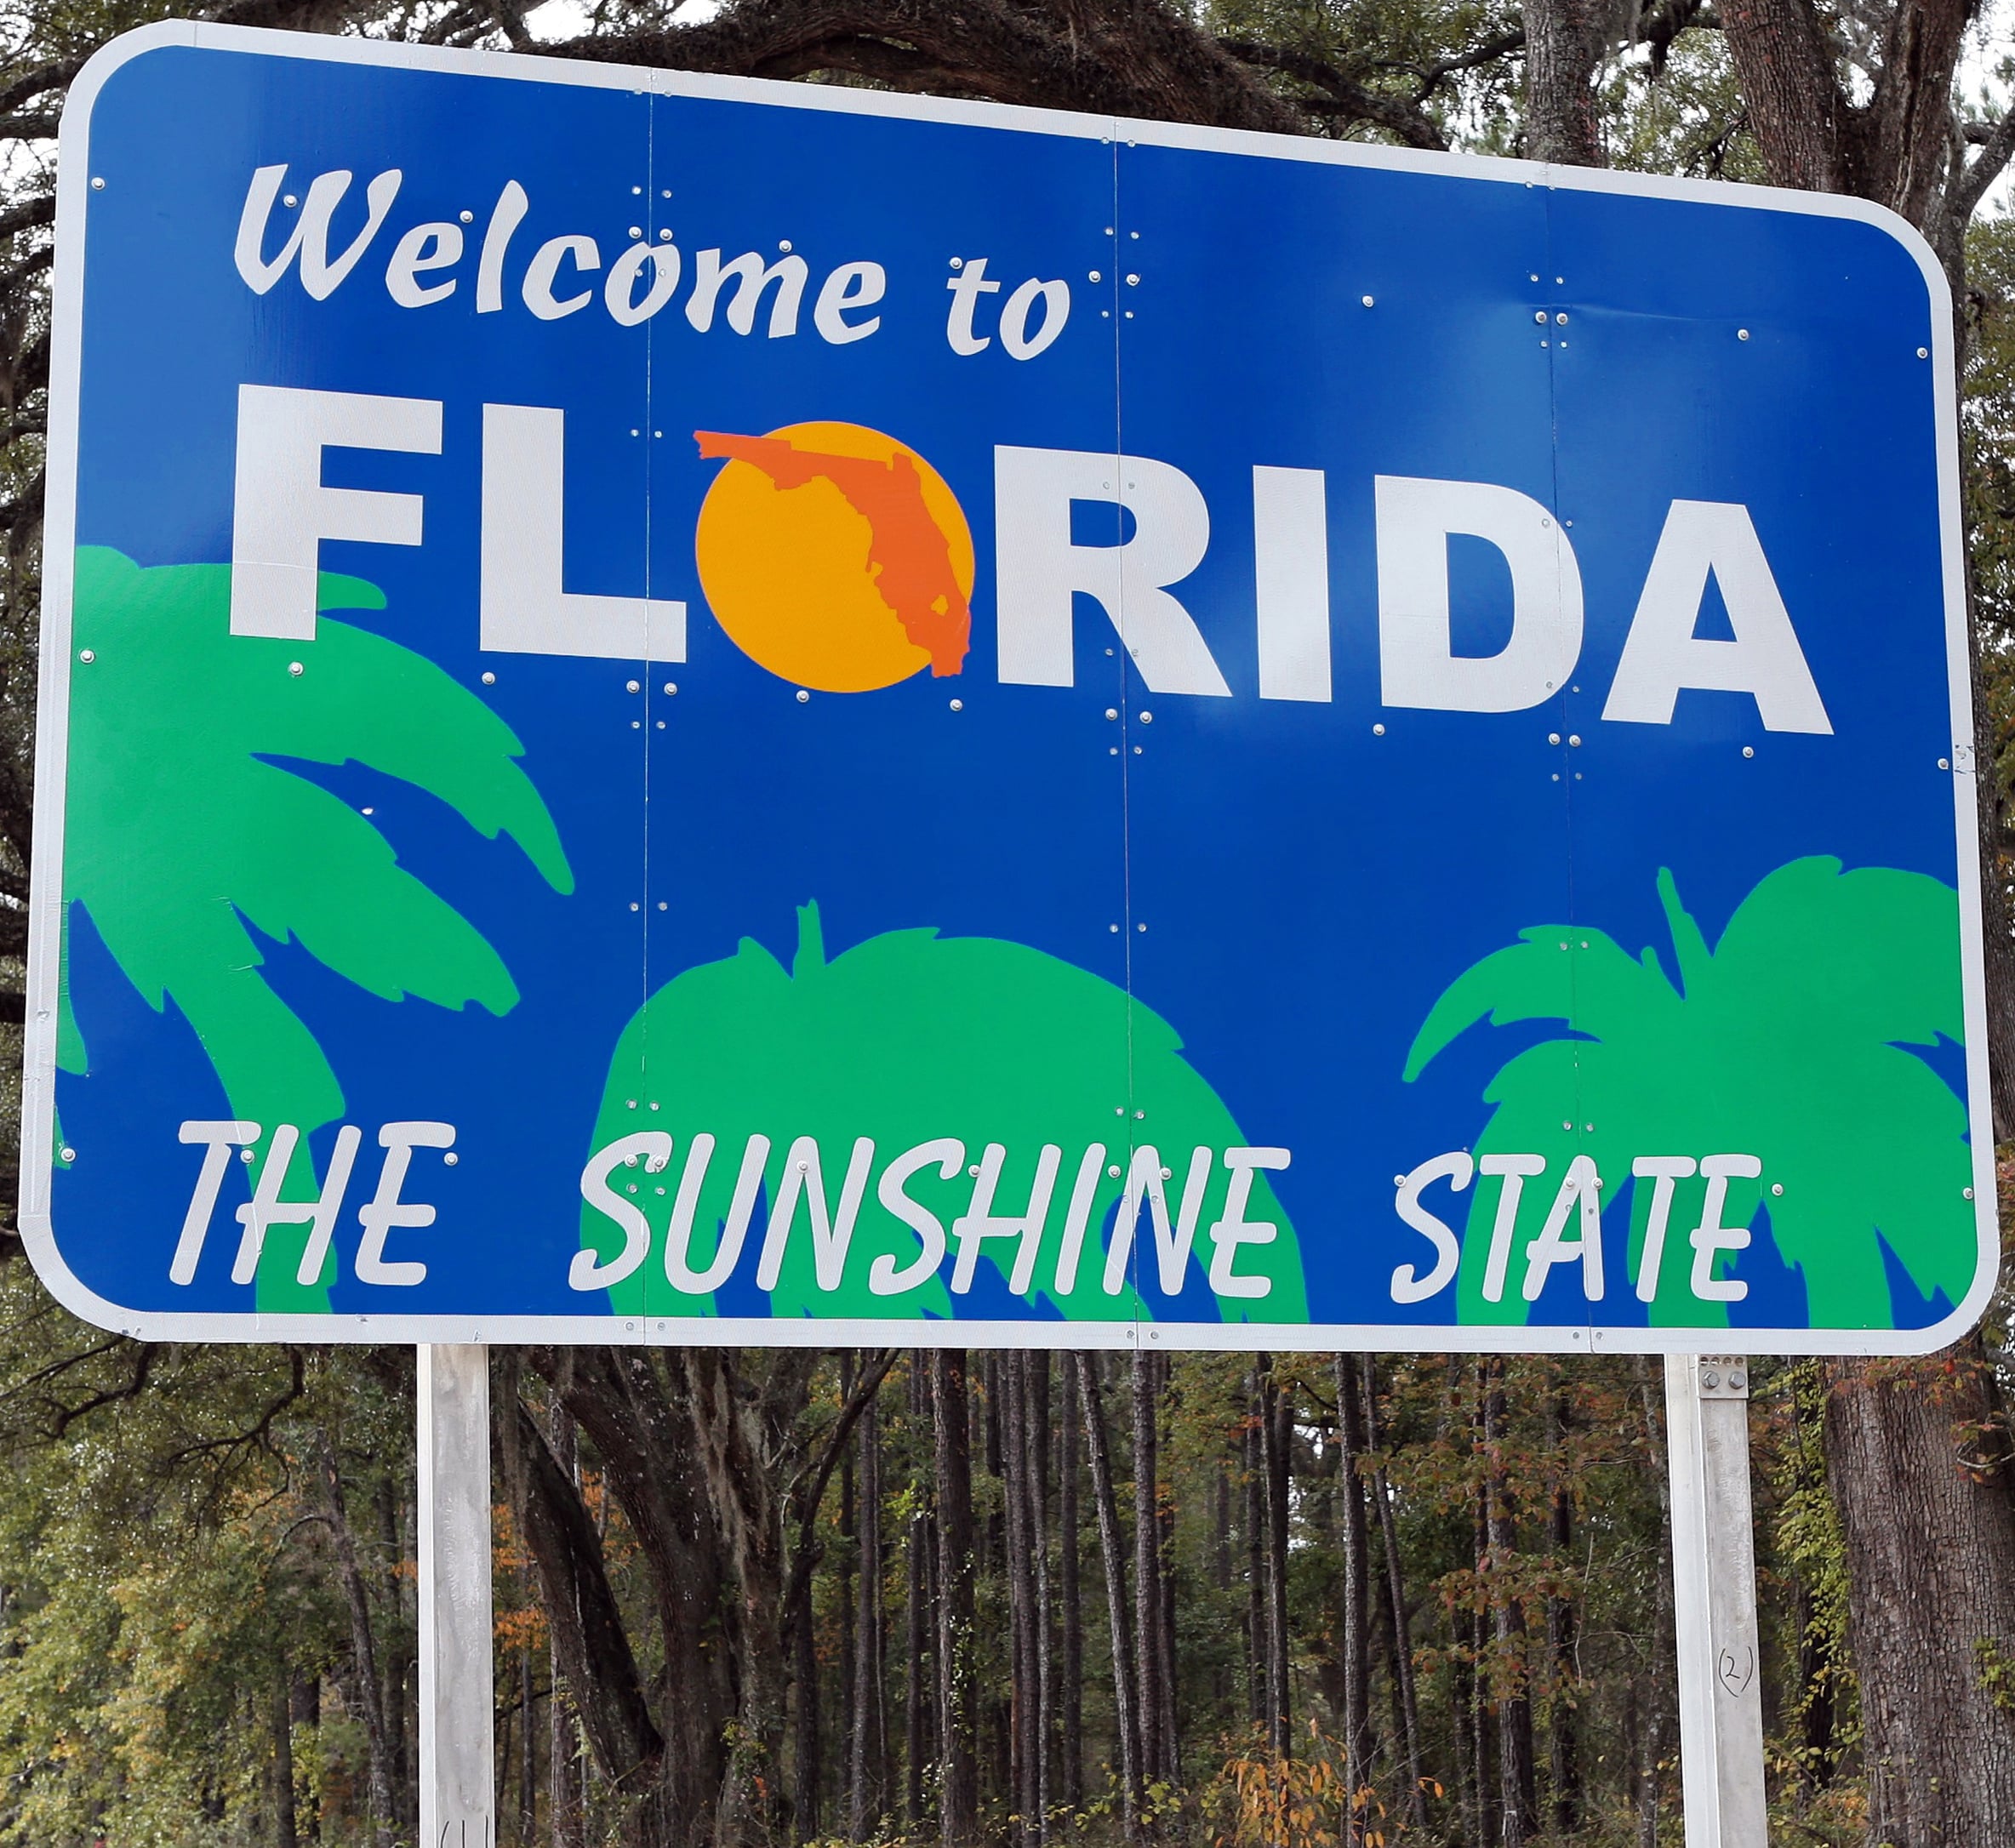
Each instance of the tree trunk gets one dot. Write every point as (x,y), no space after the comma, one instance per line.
(1519,1795)
(1025,1748)
(1035,1427)
(1111,1549)
(806,1744)
(1277,1439)
(283,1723)
(528,1764)
(1402,1639)
(1257,1654)
(1354,1540)
(1147,1567)
(1928,1622)
(1069,1596)
(1651,1716)
(919,1545)
(363,1654)
(959,1797)
(1563,1737)
(1564,43)
(867,1753)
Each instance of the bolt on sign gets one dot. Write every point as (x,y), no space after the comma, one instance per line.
(680,711)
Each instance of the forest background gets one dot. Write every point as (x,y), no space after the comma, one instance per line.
(767,1598)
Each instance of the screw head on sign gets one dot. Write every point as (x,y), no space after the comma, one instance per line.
(1560,320)
(1777,1187)
(1095,276)
(489,680)
(1574,739)
(1541,317)
(803,698)
(452,1159)
(296,668)
(1139,1115)
(630,686)
(87,655)
(958,706)
(1368,302)
(1378,731)
(1554,738)
(1967,1192)
(672,686)
(97,184)
(1924,352)
(1147,718)
(70,1154)
(1742,334)
(1113,1172)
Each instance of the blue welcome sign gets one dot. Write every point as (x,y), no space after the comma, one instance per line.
(678,709)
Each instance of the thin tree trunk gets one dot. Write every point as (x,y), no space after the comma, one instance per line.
(958,1814)
(1518,1795)
(804,1669)
(1069,1596)
(1402,1640)
(528,1766)
(1035,1427)
(1025,1747)
(364,1655)
(1277,1434)
(1257,1654)
(1651,1716)
(917,1547)
(1564,1743)
(867,1761)
(1147,1566)
(566,1808)
(283,1721)
(1111,1550)
(1355,1547)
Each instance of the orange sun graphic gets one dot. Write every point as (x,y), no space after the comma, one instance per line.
(835,557)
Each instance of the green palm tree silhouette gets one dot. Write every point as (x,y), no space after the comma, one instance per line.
(178,833)
(907,1038)
(1784,1042)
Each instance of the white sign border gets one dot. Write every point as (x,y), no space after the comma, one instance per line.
(38,1151)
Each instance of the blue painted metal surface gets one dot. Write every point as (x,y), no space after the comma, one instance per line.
(1257,788)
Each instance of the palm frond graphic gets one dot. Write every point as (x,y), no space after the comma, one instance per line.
(1786,1040)
(181,837)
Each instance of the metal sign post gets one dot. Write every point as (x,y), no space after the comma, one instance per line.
(457,1742)
(1714,1585)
